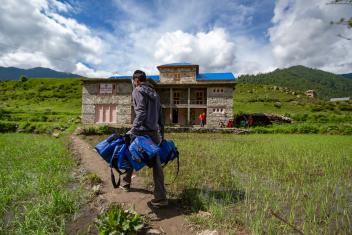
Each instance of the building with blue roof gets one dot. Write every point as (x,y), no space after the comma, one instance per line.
(185,94)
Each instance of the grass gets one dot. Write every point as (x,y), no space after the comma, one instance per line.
(55,102)
(250,98)
(37,193)
(266,184)
(251,181)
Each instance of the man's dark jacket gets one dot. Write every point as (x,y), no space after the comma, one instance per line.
(148,110)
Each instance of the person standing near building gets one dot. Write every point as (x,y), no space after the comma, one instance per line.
(202,119)
(148,121)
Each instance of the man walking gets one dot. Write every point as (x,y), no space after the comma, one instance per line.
(148,121)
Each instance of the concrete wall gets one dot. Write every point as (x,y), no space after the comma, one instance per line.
(122,99)
(217,101)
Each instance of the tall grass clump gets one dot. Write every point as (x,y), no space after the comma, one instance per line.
(35,176)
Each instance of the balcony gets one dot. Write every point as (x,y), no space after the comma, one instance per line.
(182,101)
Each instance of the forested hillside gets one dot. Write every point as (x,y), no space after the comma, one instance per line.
(300,78)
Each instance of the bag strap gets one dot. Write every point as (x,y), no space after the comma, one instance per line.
(112,176)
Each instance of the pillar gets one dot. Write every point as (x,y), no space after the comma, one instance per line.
(171,103)
(189,107)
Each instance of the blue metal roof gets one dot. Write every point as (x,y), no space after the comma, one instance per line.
(216,77)
(178,64)
(153,77)
(200,77)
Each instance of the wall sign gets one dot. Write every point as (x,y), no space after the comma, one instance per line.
(105,88)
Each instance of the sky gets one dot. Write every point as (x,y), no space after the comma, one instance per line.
(115,37)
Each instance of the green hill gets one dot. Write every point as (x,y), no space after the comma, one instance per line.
(300,78)
(254,98)
(43,101)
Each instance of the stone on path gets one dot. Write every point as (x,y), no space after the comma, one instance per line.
(208,232)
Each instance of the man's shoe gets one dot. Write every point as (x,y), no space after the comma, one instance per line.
(125,188)
(159,202)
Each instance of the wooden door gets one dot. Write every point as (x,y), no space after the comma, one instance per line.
(105,113)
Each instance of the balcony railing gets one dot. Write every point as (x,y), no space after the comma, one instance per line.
(185,102)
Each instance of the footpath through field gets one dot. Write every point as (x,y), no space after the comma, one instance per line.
(168,220)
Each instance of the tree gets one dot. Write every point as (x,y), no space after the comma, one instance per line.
(23,78)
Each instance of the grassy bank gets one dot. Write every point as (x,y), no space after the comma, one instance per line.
(37,192)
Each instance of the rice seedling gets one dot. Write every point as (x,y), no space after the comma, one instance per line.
(276,184)
(35,197)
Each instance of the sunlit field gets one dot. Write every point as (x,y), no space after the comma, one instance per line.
(262,183)
(268,184)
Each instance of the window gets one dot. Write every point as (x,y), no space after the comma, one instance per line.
(199,97)
(177,77)
(176,97)
(218,90)
(218,110)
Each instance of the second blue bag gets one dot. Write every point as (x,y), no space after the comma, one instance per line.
(143,151)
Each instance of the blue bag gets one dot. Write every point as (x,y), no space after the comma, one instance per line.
(121,155)
(107,146)
(143,151)
(168,151)
(114,150)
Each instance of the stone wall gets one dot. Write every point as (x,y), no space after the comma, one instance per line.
(178,75)
(219,105)
(122,99)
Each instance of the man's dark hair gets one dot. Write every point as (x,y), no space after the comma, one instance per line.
(140,75)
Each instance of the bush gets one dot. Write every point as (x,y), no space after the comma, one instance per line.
(8,127)
(100,130)
(23,78)
(116,220)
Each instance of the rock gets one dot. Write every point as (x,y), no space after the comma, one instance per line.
(204,214)
(78,131)
(153,231)
(96,189)
(208,232)
(56,134)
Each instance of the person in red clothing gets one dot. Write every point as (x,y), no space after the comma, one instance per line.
(202,119)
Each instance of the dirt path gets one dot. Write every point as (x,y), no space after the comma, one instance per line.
(168,220)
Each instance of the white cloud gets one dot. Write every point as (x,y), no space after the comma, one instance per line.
(212,50)
(84,70)
(302,34)
(33,33)
(217,35)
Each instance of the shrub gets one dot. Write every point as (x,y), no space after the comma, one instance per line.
(23,78)
(8,127)
(116,220)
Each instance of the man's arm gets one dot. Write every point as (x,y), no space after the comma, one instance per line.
(140,110)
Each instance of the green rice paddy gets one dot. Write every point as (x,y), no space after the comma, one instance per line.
(35,178)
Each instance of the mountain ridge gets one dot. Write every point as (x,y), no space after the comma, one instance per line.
(301,78)
(13,73)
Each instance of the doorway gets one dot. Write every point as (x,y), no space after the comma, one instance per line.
(175,116)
